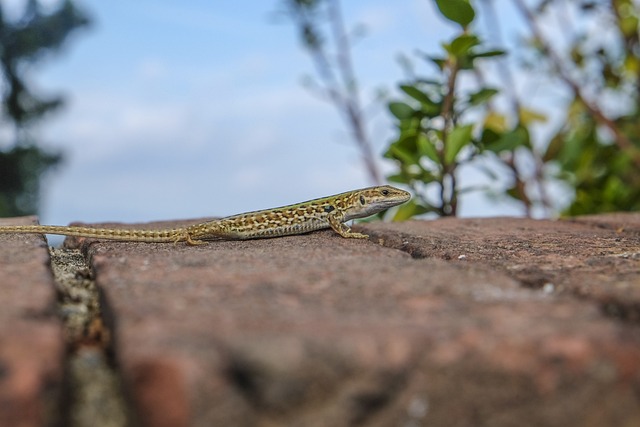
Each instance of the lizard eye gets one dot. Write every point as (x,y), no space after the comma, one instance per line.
(385,192)
(362,201)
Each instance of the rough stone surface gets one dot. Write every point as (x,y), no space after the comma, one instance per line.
(493,322)
(31,343)
(594,257)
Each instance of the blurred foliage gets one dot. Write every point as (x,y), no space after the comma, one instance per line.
(598,145)
(596,149)
(23,43)
(20,171)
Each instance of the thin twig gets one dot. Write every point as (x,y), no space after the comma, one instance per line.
(493,27)
(342,89)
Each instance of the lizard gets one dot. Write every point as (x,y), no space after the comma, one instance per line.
(326,212)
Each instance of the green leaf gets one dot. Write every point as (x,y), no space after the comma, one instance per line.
(427,177)
(413,173)
(401,110)
(467,61)
(458,11)
(514,193)
(409,126)
(410,209)
(404,156)
(439,62)
(488,53)
(428,106)
(509,141)
(431,82)
(415,93)
(431,110)
(426,148)
(398,178)
(554,148)
(408,141)
(528,116)
(489,136)
(458,138)
(495,122)
(461,45)
(482,96)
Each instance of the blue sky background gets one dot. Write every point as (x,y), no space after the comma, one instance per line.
(192,109)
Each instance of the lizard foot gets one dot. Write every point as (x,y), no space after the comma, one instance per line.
(186,237)
(194,242)
(352,235)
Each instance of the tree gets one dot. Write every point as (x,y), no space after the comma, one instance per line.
(25,42)
(596,148)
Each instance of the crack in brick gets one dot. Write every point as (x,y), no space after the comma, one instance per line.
(94,392)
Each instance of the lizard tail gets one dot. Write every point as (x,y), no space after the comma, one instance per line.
(132,235)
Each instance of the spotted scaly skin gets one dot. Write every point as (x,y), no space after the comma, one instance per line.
(327,212)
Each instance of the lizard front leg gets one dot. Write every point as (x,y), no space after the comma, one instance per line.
(335,221)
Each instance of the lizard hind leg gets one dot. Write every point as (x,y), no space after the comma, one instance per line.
(185,236)
(198,234)
(194,242)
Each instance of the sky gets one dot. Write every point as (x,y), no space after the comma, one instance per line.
(180,110)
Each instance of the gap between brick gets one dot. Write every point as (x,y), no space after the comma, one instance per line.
(94,393)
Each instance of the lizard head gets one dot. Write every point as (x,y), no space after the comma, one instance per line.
(372,200)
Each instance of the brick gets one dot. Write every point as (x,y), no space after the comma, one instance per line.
(595,257)
(31,342)
(319,330)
